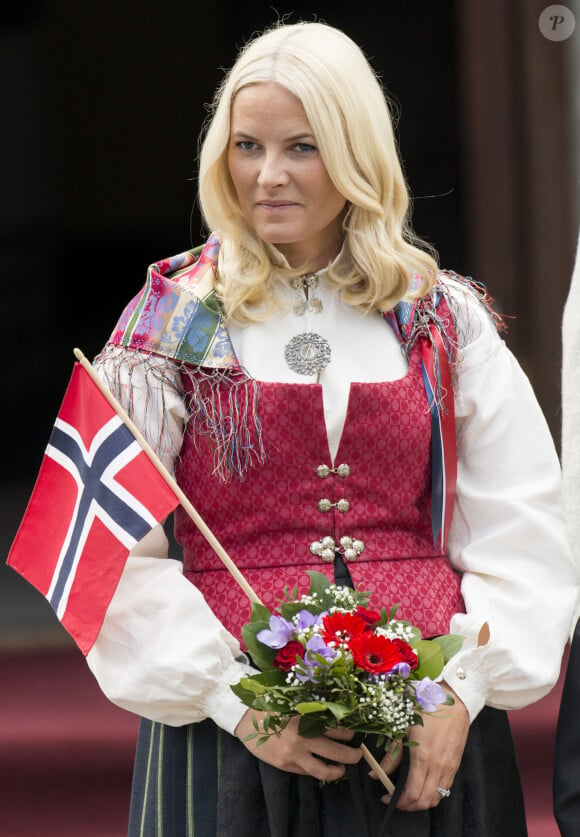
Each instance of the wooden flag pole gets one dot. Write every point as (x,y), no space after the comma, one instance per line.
(169,479)
(377,769)
(198,520)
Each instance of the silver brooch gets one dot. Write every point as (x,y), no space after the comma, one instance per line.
(306,286)
(308,353)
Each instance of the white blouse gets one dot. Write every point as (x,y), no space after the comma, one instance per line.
(163,654)
(571,409)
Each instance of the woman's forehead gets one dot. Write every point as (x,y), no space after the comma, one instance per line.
(271,106)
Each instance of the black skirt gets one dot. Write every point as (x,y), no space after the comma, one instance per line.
(198,781)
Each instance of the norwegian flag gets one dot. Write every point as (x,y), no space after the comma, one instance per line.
(96,495)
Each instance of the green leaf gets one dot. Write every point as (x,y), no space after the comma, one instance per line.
(338,710)
(260,613)
(274,677)
(245,695)
(393,612)
(291,597)
(430,656)
(450,643)
(311,727)
(265,680)
(306,707)
(262,656)
(319,584)
(252,686)
(290,609)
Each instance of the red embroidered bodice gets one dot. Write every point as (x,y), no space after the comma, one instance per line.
(268,521)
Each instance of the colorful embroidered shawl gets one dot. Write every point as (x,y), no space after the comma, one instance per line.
(178,314)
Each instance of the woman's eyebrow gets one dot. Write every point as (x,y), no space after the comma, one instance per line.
(294,138)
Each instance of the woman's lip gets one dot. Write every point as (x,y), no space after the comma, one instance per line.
(276,204)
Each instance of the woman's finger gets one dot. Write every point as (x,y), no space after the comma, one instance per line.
(324,757)
(391,760)
(340,734)
(436,758)
(327,748)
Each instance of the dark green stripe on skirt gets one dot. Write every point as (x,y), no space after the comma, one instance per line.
(175,781)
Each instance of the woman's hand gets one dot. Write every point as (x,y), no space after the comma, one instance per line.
(296,754)
(434,762)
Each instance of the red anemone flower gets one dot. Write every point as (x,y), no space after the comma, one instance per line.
(341,627)
(375,653)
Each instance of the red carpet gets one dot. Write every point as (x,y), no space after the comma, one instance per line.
(533,730)
(66,752)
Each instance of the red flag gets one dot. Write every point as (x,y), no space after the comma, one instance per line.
(96,495)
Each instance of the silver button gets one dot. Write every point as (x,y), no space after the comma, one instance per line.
(343,505)
(328,542)
(328,555)
(343,470)
(323,471)
(324,505)
(351,547)
(461,675)
(316,548)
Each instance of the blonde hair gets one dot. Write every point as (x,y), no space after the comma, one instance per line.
(349,116)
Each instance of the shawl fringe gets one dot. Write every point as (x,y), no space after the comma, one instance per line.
(229,422)
(414,320)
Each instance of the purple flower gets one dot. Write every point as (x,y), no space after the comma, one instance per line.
(279,635)
(307,669)
(429,694)
(316,645)
(305,619)
(403,669)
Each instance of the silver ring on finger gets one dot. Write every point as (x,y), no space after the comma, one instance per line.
(444,792)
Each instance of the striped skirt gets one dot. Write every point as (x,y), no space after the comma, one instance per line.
(198,781)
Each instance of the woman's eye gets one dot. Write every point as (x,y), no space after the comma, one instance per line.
(304,147)
(246,145)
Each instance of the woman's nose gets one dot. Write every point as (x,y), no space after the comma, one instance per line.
(272,171)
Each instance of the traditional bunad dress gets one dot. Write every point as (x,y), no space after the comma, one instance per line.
(353,471)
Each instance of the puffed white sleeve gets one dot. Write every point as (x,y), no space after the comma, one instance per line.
(508,535)
(161,651)
(571,408)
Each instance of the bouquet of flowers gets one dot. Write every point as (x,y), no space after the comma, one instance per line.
(332,661)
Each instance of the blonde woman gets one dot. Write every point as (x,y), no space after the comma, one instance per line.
(271,370)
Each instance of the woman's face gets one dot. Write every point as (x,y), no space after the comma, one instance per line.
(283,188)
